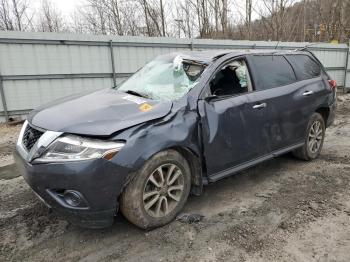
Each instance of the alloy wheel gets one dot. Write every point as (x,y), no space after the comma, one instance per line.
(315,137)
(163,190)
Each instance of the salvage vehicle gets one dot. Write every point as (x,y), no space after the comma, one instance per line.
(182,121)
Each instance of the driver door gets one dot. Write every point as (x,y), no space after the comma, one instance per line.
(233,124)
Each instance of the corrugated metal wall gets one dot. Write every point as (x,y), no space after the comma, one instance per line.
(36,68)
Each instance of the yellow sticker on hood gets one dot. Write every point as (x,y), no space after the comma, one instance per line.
(145,107)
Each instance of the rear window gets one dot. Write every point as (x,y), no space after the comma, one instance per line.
(272,71)
(305,66)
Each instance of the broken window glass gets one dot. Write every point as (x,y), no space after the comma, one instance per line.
(164,79)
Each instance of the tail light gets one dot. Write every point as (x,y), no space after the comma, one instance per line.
(332,84)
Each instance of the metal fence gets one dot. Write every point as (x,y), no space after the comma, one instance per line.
(36,68)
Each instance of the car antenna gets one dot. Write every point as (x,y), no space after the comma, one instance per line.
(277,44)
(273,53)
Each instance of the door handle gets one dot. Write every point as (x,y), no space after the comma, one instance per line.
(308,93)
(260,106)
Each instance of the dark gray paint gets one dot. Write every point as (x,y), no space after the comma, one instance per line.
(218,136)
(100,113)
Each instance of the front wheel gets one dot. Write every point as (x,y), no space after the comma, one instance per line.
(314,139)
(158,191)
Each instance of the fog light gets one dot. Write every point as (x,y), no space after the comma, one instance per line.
(72,198)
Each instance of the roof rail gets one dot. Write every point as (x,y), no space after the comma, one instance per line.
(307,46)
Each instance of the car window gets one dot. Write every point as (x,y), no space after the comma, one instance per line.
(232,79)
(164,79)
(272,71)
(305,66)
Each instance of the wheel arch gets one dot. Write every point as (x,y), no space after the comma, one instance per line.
(324,112)
(195,166)
(193,160)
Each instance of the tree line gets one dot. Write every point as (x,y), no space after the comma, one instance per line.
(275,20)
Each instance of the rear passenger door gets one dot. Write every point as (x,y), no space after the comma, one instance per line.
(287,109)
(313,87)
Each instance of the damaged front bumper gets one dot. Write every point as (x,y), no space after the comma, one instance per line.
(84,192)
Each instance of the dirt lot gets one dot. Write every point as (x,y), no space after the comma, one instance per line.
(282,210)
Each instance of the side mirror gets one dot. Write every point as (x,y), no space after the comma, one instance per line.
(210,98)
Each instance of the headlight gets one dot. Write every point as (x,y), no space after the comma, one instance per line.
(73,148)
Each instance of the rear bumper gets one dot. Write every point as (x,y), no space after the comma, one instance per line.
(98,181)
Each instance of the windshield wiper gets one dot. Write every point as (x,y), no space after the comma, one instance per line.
(131,92)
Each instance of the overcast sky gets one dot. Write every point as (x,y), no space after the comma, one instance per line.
(65,6)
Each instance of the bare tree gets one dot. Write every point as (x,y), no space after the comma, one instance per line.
(50,19)
(183,12)
(120,17)
(6,21)
(274,18)
(162,16)
(249,17)
(14,15)
(94,15)
(154,16)
(281,20)
(224,20)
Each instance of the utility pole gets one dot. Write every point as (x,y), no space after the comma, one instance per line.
(179,21)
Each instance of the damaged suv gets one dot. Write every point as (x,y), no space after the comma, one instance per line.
(182,121)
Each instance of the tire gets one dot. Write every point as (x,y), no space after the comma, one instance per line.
(137,198)
(312,147)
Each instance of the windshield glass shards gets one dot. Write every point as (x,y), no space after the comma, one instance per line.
(164,79)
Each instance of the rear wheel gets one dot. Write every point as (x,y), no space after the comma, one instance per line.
(313,140)
(158,191)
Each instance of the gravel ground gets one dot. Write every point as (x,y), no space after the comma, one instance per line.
(8,138)
(281,210)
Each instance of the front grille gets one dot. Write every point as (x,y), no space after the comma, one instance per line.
(30,136)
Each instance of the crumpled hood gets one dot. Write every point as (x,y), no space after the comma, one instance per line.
(100,113)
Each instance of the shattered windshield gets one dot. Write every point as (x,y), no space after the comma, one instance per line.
(163,79)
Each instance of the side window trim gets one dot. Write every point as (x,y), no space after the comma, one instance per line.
(291,65)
